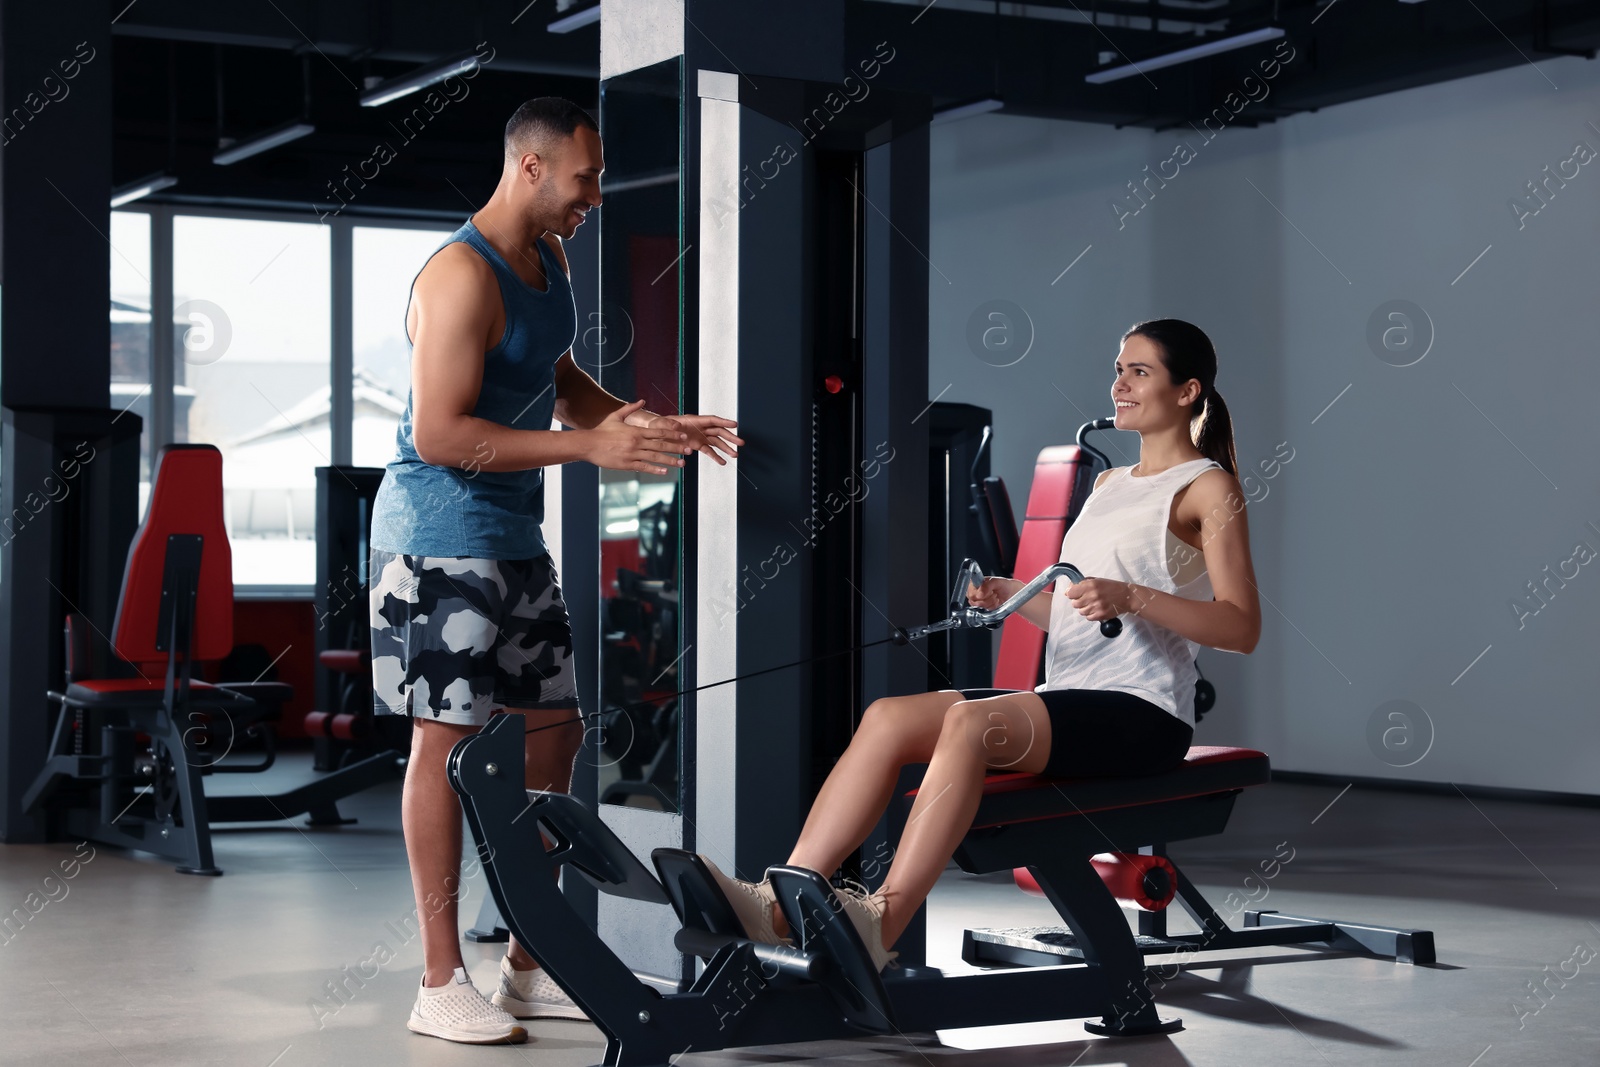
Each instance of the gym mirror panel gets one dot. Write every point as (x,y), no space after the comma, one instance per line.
(640,346)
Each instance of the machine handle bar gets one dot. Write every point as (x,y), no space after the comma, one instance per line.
(965,616)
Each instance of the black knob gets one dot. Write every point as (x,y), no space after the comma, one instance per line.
(1111,627)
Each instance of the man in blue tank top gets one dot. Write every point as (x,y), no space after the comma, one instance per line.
(467,615)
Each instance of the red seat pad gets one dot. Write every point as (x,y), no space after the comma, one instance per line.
(1015,798)
(112,686)
(140,692)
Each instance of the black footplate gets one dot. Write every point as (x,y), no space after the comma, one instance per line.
(818,925)
(694,894)
(1025,946)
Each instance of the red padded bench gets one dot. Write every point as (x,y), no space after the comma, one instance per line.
(1016,798)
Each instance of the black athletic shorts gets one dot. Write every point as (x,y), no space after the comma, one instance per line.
(1106,733)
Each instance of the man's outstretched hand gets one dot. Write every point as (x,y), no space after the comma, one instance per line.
(619,445)
(709,434)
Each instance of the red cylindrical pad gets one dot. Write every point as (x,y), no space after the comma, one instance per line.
(1147,882)
(346,660)
(349,727)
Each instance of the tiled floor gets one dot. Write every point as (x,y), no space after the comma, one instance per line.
(129,963)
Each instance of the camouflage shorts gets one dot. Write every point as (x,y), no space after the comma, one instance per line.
(457,638)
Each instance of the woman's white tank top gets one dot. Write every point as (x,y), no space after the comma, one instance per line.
(1121,532)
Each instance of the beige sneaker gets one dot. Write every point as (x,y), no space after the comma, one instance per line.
(533,995)
(866,913)
(456,1011)
(754,903)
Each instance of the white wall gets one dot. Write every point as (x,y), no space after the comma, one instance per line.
(1391,547)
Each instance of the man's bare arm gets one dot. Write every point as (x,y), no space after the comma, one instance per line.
(581,402)
(456,298)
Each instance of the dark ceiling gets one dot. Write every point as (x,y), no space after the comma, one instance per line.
(170,56)
(173,59)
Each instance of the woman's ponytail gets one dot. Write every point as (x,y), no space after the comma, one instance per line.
(1189,353)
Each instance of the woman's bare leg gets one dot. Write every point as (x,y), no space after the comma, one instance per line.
(1010,732)
(894,732)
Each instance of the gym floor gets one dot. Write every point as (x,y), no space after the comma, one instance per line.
(129,963)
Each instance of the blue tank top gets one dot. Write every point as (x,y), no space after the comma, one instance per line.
(423,509)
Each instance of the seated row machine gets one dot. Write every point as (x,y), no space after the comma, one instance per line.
(825,986)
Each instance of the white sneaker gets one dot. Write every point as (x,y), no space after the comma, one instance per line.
(533,995)
(456,1011)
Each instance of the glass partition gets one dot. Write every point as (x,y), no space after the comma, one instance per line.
(635,354)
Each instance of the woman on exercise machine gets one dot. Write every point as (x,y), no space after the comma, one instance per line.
(1169,543)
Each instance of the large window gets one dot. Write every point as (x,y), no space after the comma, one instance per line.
(251,332)
(383,263)
(255,363)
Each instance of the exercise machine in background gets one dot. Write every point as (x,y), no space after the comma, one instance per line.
(639,662)
(343,728)
(131,746)
(958,454)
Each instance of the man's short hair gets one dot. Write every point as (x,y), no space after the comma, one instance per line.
(543,121)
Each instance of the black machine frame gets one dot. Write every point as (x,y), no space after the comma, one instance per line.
(752,994)
(95,779)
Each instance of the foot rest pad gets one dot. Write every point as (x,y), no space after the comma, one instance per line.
(817,923)
(694,894)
